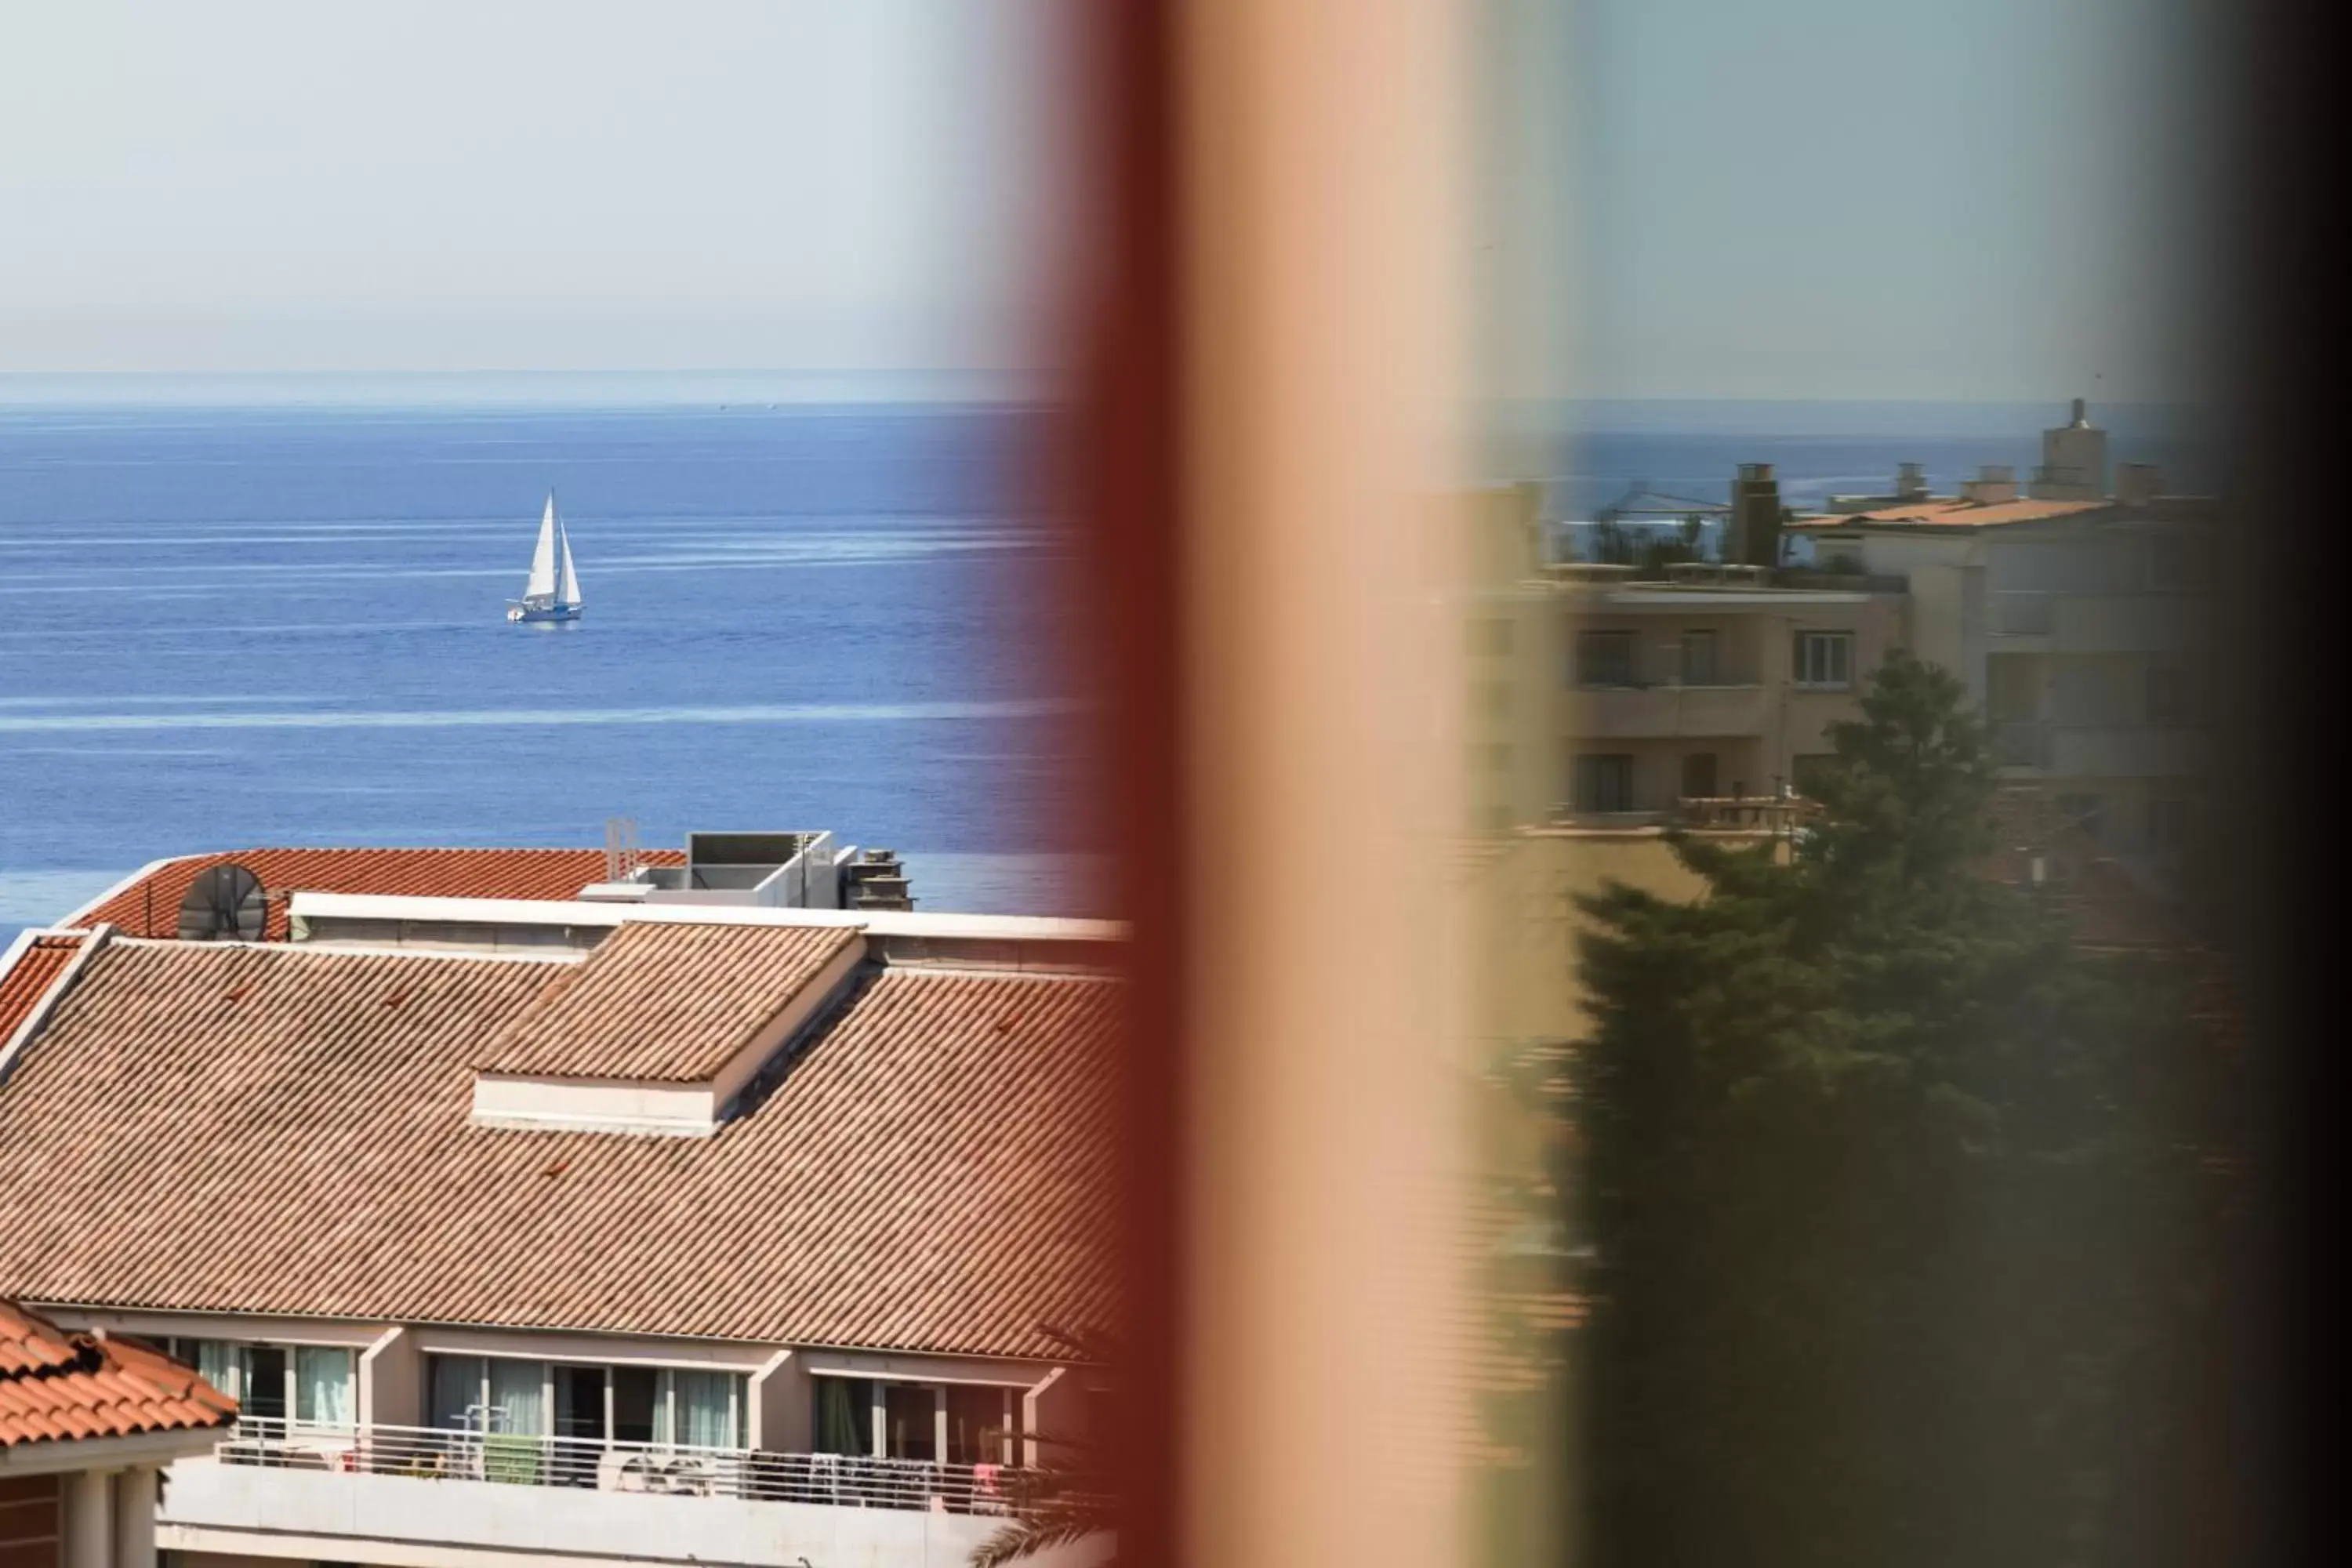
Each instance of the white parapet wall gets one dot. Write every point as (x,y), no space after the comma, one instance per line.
(398,1522)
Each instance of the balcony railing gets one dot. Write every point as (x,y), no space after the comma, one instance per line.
(1780,814)
(514,1460)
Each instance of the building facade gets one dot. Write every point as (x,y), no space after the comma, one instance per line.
(562,1230)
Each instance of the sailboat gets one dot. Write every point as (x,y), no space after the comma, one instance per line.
(552,591)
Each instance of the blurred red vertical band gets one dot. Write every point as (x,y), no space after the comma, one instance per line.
(1124,462)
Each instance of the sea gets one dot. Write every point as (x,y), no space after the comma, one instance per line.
(236,617)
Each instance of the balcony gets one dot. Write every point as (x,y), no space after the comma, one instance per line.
(380,1493)
(1666,712)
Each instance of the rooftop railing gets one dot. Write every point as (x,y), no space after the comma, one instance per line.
(507,1458)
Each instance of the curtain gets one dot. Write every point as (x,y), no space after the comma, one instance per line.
(323,1387)
(456,1387)
(706,1406)
(216,1364)
(520,1389)
(844,1417)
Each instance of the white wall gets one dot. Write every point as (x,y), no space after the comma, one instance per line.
(364,1518)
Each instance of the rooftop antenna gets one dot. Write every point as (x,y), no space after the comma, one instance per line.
(226,903)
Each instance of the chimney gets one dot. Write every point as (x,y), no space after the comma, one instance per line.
(1753,538)
(1994,482)
(2082,415)
(1910,482)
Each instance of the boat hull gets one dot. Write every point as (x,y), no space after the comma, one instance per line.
(525,614)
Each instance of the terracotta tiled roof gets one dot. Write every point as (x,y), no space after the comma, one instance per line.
(283,1130)
(663,1002)
(29,977)
(1946,512)
(55,1385)
(151,906)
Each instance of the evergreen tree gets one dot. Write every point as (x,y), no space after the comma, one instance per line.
(1894,1194)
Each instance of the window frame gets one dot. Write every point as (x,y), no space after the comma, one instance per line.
(1584,801)
(1801,660)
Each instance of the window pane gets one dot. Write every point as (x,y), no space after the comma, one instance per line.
(910,1414)
(518,1388)
(455,1391)
(1604,783)
(323,1387)
(976,1424)
(1698,776)
(215,1361)
(636,1395)
(1698,659)
(264,1371)
(844,1415)
(706,1403)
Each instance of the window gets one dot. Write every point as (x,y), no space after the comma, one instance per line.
(311,1384)
(984,1425)
(844,1416)
(1604,658)
(590,1402)
(323,1393)
(1698,776)
(2167,694)
(1824,659)
(2168,823)
(1495,699)
(1698,659)
(1604,781)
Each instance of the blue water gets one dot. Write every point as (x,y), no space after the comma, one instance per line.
(223,626)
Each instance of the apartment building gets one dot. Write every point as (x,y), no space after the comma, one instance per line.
(558,1230)
(2081,625)
(1703,694)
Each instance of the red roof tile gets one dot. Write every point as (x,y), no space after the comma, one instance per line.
(664,1003)
(26,980)
(56,1385)
(151,906)
(209,1127)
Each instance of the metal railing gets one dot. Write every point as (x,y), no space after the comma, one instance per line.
(510,1458)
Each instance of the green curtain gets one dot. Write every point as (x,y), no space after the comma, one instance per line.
(844,1421)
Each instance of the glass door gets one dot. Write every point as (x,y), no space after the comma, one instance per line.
(584,1418)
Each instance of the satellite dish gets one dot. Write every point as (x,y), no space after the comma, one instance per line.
(225,904)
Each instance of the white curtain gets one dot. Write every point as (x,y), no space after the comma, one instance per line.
(708,1404)
(519,1388)
(216,1364)
(323,1387)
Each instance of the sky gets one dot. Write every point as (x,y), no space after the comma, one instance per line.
(280,185)
(1899,199)
(1876,199)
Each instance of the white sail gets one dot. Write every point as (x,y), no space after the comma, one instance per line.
(567,587)
(542,561)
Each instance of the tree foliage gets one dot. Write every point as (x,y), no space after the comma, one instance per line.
(1901,1235)
(1069,1495)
